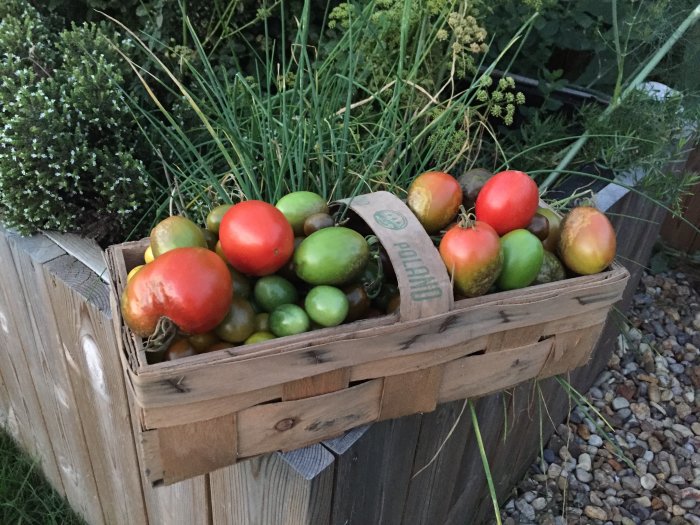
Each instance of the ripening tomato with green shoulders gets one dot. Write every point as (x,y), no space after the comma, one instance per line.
(508,201)
(256,238)
(191,286)
(175,232)
(434,197)
(471,251)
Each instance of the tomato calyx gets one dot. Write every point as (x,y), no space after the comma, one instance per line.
(162,337)
(466,219)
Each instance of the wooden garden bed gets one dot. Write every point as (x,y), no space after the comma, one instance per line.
(63,397)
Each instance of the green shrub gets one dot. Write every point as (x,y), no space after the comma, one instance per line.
(68,143)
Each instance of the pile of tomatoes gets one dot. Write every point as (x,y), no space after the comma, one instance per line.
(509,242)
(257,271)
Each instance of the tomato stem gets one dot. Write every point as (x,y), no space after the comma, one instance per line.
(467,219)
(162,337)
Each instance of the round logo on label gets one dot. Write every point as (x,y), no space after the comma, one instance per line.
(391,220)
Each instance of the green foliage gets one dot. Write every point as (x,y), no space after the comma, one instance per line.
(312,120)
(25,495)
(643,133)
(443,36)
(596,43)
(68,141)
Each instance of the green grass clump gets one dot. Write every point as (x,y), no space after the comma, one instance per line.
(325,115)
(25,495)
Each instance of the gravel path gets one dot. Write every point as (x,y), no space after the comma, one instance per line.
(650,395)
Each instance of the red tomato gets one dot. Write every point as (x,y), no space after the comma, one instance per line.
(256,238)
(473,257)
(508,201)
(191,286)
(434,197)
(587,244)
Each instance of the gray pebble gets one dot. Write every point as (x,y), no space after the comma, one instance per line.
(595,440)
(583,476)
(648,481)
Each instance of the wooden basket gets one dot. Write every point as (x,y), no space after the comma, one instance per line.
(204,412)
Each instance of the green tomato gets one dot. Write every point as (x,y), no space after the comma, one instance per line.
(332,256)
(299,205)
(215,215)
(326,305)
(238,324)
(551,270)
(289,319)
(257,337)
(522,258)
(272,291)
(241,284)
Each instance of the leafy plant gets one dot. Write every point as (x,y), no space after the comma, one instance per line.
(69,147)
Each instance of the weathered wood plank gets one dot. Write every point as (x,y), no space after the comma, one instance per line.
(269,490)
(291,424)
(435,466)
(16,339)
(373,470)
(185,502)
(469,491)
(316,385)
(190,412)
(477,376)
(96,375)
(411,393)
(85,250)
(48,367)
(677,233)
(197,448)
(198,380)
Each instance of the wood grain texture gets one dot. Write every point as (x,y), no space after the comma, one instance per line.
(182,503)
(316,385)
(5,405)
(439,450)
(77,300)
(269,490)
(198,380)
(197,448)
(480,375)
(677,233)
(16,339)
(293,424)
(373,470)
(48,365)
(411,393)
(84,250)
(190,412)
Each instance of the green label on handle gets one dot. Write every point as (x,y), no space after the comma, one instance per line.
(390,219)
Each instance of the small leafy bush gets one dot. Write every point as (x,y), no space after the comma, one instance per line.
(69,145)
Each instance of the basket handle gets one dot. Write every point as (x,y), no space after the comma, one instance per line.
(423,281)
